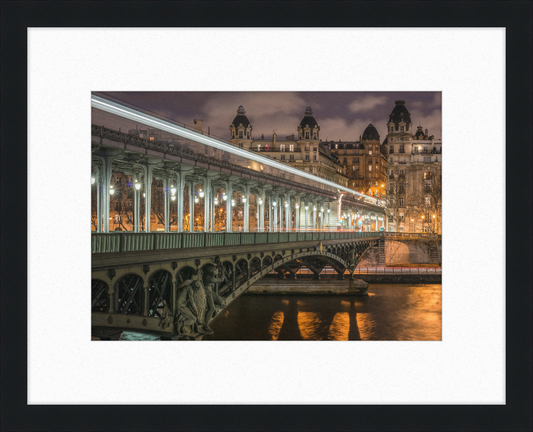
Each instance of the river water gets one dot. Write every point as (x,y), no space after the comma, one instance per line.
(390,312)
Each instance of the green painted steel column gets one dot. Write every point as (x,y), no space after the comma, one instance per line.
(229,208)
(181,187)
(191,206)
(247,209)
(167,206)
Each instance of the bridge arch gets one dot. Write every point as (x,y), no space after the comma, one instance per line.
(159,293)
(99,296)
(129,294)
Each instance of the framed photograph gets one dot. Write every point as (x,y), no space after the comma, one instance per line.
(475,376)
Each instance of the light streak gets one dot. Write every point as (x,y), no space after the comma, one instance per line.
(129,113)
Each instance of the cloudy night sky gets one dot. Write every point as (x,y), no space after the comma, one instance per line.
(340,115)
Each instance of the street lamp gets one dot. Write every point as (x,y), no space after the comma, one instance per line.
(224,197)
(216,201)
(201,193)
(286,204)
(307,207)
(172,190)
(173,197)
(233,203)
(260,201)
(297,206)
(274,203)
(243,199)
(111,190)
(196,199)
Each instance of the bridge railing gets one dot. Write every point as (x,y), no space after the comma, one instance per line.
(407,234)
(134,242)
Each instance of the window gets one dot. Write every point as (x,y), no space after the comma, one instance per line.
(306,157)
(402,148)
(151,138)
(248,135)
(291,157)
(355,160)
(401,214)
(369,167)
(258,147)
(391,173)
(402,129)
(282,147)
(282,157)
(314,148)
(314,157)
(428,201)
(391,159)
(336,147)
(307,135)
(402,172)
(240,134)
(240,145)
(291,147)
(400,201)
(369,160)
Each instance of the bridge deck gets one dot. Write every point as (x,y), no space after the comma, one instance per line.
(104,261)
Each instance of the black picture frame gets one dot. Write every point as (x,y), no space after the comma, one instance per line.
(515,16)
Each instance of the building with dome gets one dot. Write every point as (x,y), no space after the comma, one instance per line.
(305,151)
(365,162)
(414,175)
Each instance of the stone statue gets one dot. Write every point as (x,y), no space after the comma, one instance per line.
(210,279)
(190,301)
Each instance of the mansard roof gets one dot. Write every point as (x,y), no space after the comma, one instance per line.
(241,118)
(400,113)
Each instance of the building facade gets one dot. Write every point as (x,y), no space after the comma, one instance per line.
(414,175)
(365,162)
(305,152)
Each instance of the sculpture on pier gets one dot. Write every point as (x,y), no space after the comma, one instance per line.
(210,279)
(197,302)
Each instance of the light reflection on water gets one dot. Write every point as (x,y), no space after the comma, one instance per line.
(390,312)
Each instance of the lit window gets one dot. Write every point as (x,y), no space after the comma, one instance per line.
(258,147)
(291,147)
(369,167)
(282,147)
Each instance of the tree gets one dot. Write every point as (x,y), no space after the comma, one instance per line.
(426,201)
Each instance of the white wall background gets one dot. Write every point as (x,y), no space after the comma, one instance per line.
(467,367)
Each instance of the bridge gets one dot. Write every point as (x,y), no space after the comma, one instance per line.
(197,221)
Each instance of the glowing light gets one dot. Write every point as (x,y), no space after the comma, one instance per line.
(274,203)
(144,195)
(111,190)
(328,210)
(433,215)
(297,206)
(216,201)
(306,207)
(196,199)
(232,203)
(201,193)
(314,208)
(260,201)
(286,205)
(123,111)
(173,197)
(173,190)
(137,186)
(224,197)
(93,180)
(243,199)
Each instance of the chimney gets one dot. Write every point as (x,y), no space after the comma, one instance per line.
(274,138)
(198,125)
